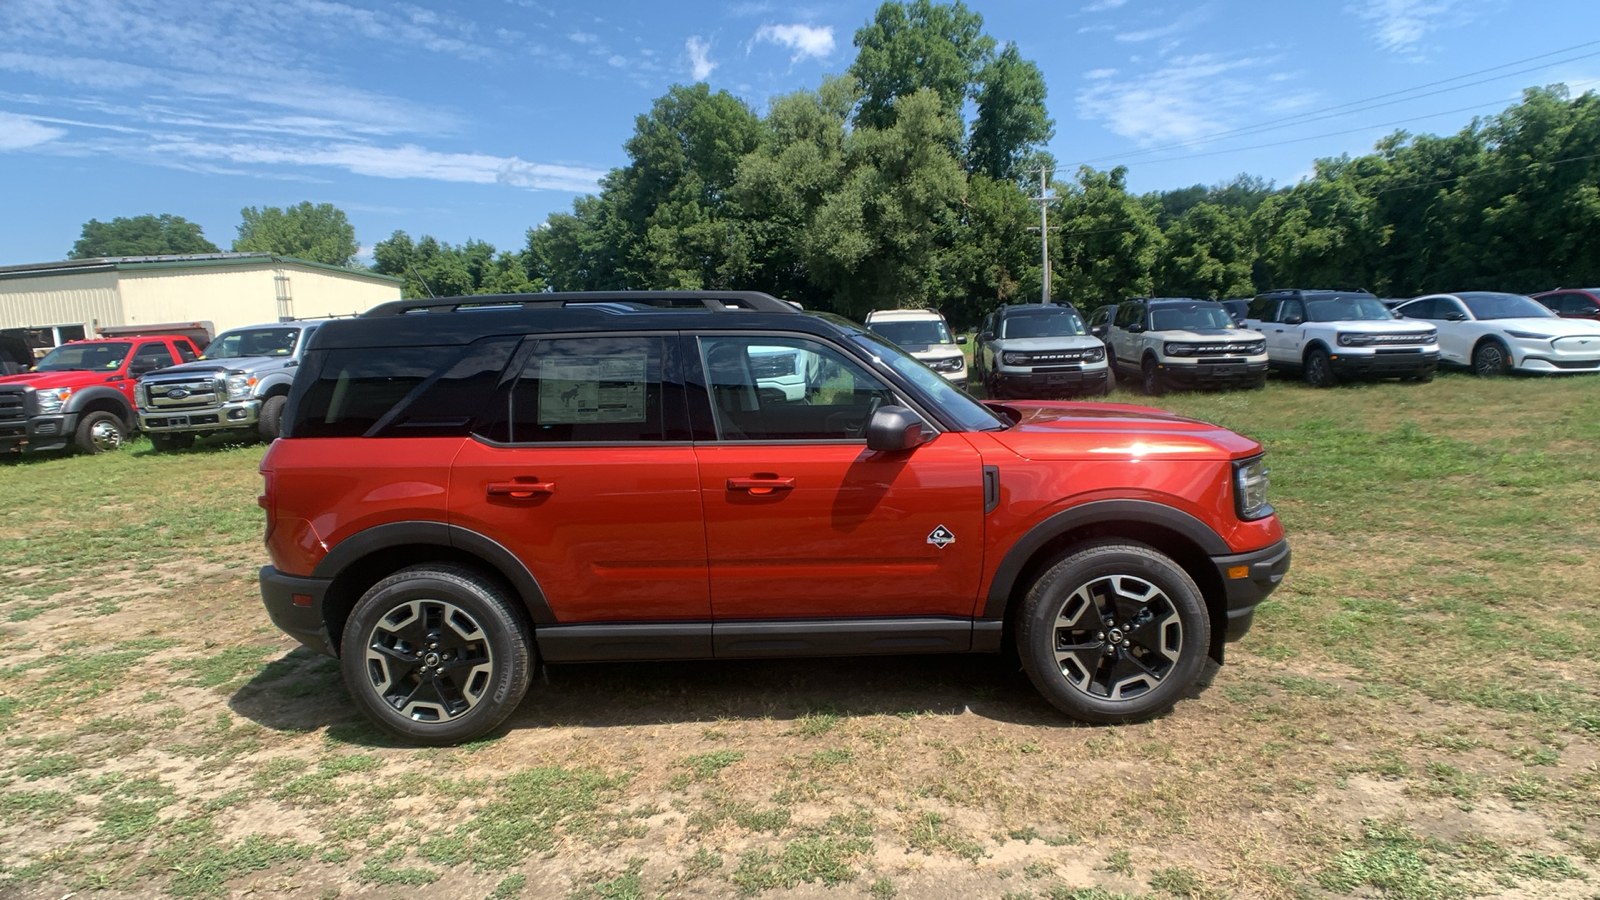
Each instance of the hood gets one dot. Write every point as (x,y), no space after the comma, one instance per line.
(1210,334)
(932,351)
(1380,326)
(46,380)
(1548,327)
(241,364)
(1058,430)
(1066,342)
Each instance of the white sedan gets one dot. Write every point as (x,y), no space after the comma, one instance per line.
(1494,333)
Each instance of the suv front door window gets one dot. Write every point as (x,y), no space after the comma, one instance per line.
(597,426)
(833,516)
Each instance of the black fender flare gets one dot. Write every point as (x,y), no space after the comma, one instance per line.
(1093,513)
(1311,345)
(439,534)
(83,398)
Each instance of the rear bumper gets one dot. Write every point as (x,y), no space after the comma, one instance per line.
(38,433)
(1250,578)
(301,620)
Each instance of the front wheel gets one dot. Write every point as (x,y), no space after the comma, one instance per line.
(99,432)
(436,654)
(1153,385)
(1114,632)
(1490,360)
(1319,369)
(270,424)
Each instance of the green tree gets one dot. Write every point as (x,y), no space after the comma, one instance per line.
(430,267)
(580,250)
(909,47)
(140,236)
(1011,121)
(1210,252)
(319,233)
(1108,243)
(1326,232)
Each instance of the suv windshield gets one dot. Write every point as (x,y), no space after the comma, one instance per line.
(1345,309)
(972,415)
(1487,305)
(1191,317)
(1044,323)
(926,331)
(252,342)
(85,357)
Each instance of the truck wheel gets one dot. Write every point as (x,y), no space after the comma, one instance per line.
(1318,369)
(100,431)
(166,443)
(1113,632)
(270,425)
(1152,379)
(436,654)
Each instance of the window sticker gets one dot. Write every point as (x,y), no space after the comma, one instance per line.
(587,389)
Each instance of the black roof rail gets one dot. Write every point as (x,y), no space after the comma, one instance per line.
(615,301)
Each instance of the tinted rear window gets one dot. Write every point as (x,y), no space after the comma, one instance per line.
(433,391)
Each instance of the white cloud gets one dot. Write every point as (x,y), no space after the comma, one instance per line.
(804,40)
(407,161)
(18,132)
(618,61)
(583,37)
(1182,23)
(1186,98)
(698,57)
(1401,25)
(1104,5)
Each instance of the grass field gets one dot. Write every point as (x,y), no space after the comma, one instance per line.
(1416,714)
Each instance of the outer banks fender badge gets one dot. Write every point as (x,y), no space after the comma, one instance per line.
(941,536)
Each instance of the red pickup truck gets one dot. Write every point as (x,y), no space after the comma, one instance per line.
(82,393)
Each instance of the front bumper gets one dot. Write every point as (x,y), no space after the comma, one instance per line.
(1402,363)
(229,416)
(1195,374)
(1250,578)
(301,620)
(1026,384)
(38,433)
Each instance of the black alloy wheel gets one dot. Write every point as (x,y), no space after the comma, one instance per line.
(1318,369)
(1153,385)
(1490,359)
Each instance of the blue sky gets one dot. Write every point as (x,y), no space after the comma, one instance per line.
(479,120)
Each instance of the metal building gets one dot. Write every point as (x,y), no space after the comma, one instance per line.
(61,301)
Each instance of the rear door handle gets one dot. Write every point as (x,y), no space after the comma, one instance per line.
(760,485)
(521,490)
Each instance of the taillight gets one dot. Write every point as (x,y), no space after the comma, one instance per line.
(267,500)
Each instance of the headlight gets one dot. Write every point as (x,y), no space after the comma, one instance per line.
(239,386)
(51,401)
(1354,340)
(1013,359)
(1173,348)
(1250,488)
(1094,354)
(951,364)
(1527,335)
(141,396)
(1254,347)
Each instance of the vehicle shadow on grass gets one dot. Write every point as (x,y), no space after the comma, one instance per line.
(303,691)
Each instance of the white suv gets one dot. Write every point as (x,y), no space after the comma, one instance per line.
(1175,341)
(924,334)
(1327,336)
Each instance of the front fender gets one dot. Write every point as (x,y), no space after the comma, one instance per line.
(84,398)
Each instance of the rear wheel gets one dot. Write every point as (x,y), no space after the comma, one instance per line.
(1490,359)
(1318,369)
(436,654)
(99,432)
(270,425)
(1114,632)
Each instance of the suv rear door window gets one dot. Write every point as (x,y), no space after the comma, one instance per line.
(590,390)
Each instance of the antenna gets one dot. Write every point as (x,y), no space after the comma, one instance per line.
(431,294)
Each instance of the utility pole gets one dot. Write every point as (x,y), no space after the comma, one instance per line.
(1044,229)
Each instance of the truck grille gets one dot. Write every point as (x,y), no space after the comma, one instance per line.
(1054,357)
(176,396)
(13,404)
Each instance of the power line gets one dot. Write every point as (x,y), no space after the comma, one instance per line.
(1502,171)
(1331,111)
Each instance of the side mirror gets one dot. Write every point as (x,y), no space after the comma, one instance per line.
(893,428)
(1293,320)
(1135,328)
(961,339)
(1455,317)
(985,336)
(1098,331)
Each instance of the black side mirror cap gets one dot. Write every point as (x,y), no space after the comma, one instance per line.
(961,339)
(1455,317)
(1293,320)
(894,428)
(1135,328)
(985,335)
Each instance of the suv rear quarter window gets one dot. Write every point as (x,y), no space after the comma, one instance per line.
(400,391)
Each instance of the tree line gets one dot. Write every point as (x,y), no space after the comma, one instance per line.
(907,182)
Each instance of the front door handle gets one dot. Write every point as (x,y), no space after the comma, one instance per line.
(760,485)
(521,490)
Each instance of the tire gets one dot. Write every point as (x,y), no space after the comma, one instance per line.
(1259,383)
(99,432)
(270,424)
(1111,381)
(1318,369)
(166,443)
(1420,378)
(991,388)
(1152,380)
(1490,359)
(1074,657)
(436,654)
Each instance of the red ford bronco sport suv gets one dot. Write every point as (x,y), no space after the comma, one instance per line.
(466,487)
